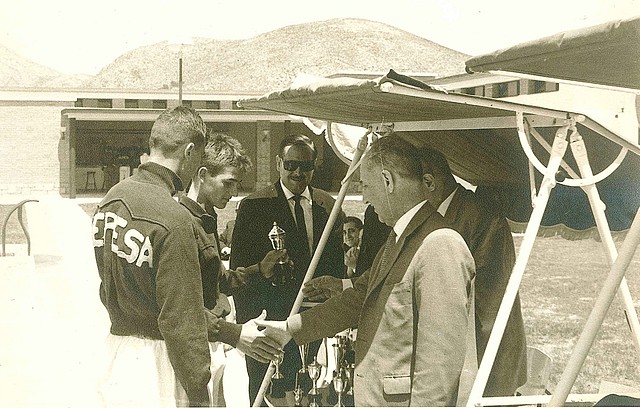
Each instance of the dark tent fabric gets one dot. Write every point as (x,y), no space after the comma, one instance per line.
(478,136)
(606,54)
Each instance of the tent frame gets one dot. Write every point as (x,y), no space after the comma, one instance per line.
(524,119)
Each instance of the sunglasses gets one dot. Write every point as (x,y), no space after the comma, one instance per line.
(304,165)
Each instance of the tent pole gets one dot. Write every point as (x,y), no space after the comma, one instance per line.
(604,300)
(540,203)
(335,211)
(579,151)
(599,312)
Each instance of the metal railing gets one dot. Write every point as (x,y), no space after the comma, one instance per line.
(18,207)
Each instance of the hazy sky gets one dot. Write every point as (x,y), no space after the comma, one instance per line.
(82,36)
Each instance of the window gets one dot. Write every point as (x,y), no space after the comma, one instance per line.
(104,103)
(213,105)
(131,103)
(159,104)
(505,89)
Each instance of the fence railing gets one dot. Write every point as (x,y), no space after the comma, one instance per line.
(19,207)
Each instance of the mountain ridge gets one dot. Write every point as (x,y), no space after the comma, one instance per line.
(264,62)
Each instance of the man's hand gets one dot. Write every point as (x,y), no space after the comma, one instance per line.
(270,259)
(322,288)
(275,329)
(258,344)
(351,257)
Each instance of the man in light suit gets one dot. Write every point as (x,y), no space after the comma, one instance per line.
(256,215)
(413,306)
(489,238)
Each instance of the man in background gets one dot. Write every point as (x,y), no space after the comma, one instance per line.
(489,238)
(351,233)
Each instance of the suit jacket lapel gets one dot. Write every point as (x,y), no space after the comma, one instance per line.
(381,273)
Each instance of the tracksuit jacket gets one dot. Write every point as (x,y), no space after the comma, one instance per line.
(147,258)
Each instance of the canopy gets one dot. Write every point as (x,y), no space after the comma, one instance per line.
(479,137)
(606,54)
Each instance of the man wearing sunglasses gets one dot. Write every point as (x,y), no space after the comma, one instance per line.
(302,212)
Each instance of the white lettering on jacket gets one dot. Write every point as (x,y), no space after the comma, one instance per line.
(134,246)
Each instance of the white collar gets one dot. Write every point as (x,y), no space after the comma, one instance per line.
(288,194)
(403,221)
(444,206)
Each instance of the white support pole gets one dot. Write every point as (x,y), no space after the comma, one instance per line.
(557,152)
(579,151)
(603,303)
(599,312)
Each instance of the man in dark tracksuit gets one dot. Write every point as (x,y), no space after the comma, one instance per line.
(147,258)
(224,165)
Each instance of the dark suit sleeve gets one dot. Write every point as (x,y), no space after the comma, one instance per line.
(246,243)
(494,257)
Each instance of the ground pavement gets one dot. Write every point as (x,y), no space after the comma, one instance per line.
(52,322)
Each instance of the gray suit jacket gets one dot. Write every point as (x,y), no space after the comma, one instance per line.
(413,317)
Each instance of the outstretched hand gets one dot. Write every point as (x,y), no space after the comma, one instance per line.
(322,288)
(276,329)
(259,344)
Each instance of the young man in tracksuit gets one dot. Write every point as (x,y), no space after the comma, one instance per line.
(223,167)
(147,257)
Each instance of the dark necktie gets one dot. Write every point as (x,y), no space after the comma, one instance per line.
(388,246)
(302,226)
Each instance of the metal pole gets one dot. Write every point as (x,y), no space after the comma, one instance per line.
(579,151)
(599,312)
(337,207)
(180,81)
(540,203)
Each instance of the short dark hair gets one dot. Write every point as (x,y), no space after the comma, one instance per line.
(397,155)
(222,151)
(434,162)
(175,127)
(355,220)
(297,140)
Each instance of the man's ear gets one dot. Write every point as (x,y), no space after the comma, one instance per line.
(188,150)
(429,181)
(387,178)
(202,171)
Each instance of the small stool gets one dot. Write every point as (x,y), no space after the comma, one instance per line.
(91,181)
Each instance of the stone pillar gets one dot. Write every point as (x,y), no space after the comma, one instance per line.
(71,129)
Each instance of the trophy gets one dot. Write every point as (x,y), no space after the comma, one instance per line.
(339,384)
(282,271)
(303,381)
(277,385)
(314,373)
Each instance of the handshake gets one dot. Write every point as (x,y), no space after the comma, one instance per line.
(263,339)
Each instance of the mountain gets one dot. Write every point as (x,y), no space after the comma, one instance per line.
(259,64)
(272,60)
(17,71)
